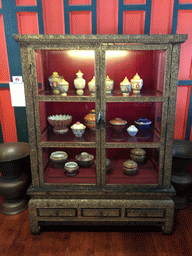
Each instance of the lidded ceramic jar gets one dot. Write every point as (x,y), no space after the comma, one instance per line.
(138,155)
(118,124)
(91,86)
(53,81)
(130,167)
(125,86)
(132,130)
(137,84)
(90,120)
(79,83)
(78,129)
(108,85)
(63,87)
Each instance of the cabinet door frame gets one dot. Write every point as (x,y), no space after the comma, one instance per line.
(164,99)
(40,145)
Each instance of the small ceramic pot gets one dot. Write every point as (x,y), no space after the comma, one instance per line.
(143,123)
(118,124)
(132,130)
(138,155)
(78,129)
(130,167)
(137,84)
(58,158)
(53,81)
(90,120)
(125,86)
(63,87)
(84,159)
(71,168)
(79,83)
(108,85)
(91,86)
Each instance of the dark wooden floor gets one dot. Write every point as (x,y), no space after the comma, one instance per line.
(16,239)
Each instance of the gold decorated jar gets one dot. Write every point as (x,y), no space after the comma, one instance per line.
(90,120)
(137,84)
(53,81)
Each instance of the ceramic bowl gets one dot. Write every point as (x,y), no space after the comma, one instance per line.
(60,122)
(118,124)
(130,167)
(143,123)
(138,155)
(84,159)
(58,158)
(78,129)
(71,168)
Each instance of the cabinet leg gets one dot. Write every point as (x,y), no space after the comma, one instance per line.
(35,227)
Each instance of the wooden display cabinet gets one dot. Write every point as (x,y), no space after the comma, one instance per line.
(95,195)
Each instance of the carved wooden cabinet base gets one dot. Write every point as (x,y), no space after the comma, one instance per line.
(102,212)
(101,115)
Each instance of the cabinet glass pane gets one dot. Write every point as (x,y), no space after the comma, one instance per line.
(56,173)
(77,110)
(147,172)
(67,63)
(149,65)
(128,113)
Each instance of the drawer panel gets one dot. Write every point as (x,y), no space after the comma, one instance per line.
(101,212)
(145,213)
(57,212)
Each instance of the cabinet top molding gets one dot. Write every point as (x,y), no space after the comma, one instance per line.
(100,39)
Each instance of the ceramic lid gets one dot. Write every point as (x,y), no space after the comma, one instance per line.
(125,81)
(91,116)
(136,77)
(143,120)
(92,81)
(84,156)
(130,164)
(138,152)
(118,121)
(78,125)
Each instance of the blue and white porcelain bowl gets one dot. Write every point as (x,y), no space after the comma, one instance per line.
(143,123)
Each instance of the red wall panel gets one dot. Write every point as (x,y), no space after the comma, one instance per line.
(8,117)
(107,17)
(4,64)
(80,22)
(133,22)
(183,96)
(161,17)
(26,2)
(27,23)
(53,16)
(79,2)
(134,1)
(184,27)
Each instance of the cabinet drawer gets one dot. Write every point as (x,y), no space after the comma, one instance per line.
(57,212)
(144,213)
(101,212)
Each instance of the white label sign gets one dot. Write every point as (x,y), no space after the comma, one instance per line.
(17,94)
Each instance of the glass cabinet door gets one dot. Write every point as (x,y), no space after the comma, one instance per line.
(66,105)
(135,110)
